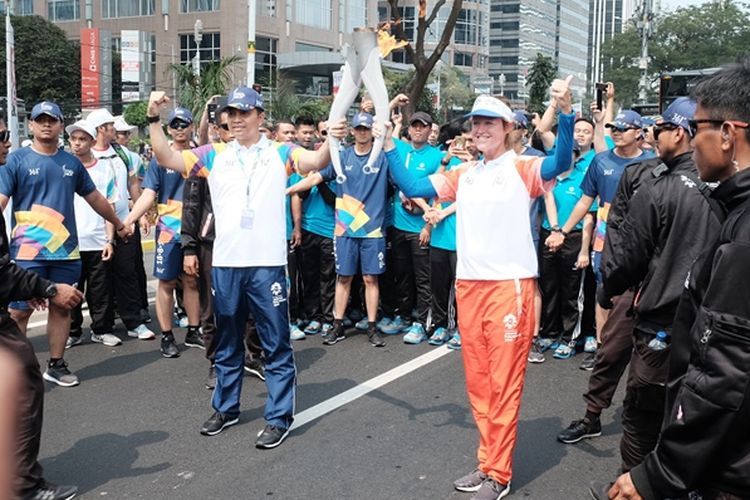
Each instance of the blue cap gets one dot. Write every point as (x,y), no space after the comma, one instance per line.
(520,119)
(362,119)
(647,121)
(244,99)
(46,108)
(625,120)
(181,114)
(679,112)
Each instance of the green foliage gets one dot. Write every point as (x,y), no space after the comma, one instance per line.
(455,91)
(48,65)
(397,83)
(695,37)
(285,104)
(539,79)
(193,92)
(135,114)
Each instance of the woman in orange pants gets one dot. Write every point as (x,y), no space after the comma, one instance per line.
(496,272)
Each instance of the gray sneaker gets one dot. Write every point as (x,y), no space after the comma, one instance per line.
(59,374)
(105,338)
(535,353)
(470,482)
(492,490)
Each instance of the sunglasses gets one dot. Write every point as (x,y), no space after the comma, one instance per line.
(224,126)
(179,125)
(4,135)
(324,133)
(658,129)
(693,124)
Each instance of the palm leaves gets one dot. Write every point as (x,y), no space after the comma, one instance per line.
(193,92)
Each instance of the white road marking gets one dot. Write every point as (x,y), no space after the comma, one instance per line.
(374,383)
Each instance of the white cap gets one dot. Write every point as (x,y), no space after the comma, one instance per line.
(122,126)
(491,107)
(83,126)
(26,143)
(99,117)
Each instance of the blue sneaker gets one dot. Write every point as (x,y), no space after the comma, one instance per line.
(455,341)
(347,322)
(564,351)
(313,328)
(439,337)
(397,326)
(415,335)
(295,333)
(590,344)
(362,324)
(545,344)
(356,315)
(383,323)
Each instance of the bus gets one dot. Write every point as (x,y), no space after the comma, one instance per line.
(674,84)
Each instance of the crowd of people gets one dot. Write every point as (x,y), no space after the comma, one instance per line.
(505,235)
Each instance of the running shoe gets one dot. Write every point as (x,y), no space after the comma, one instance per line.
(535,353)
(73,340)
(455,341)
(194,338)
(492,490)
(217,423)
(580,429)
(295,333)
(383,323)
(590,345)
(58,373)
(415,335)
(362,324)
(256,367)
(471,482)
(271,437)
(396,326)
(564,351)
(141,332)
(105,338)
(313,328)
(588,362)
(168,347)
(439,336)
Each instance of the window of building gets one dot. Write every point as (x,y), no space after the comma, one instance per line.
(382,13)
(265,60)
(20,8)
(199,5)
(506,8)
(505,61)
(269,8)
(127,8)
(352,14)
(210,47)
(462,59)
(308,47)
(409,22)
(316,13)
(63,10)
(505,25)
(469,28)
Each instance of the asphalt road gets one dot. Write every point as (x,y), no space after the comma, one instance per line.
(130,430)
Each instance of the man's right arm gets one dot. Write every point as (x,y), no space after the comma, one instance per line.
(165,155)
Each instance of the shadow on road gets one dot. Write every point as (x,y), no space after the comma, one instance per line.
(305,357)
(96,460)
(455,415)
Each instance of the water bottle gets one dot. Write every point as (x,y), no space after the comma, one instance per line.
(659,343)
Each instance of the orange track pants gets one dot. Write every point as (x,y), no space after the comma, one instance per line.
(497,321)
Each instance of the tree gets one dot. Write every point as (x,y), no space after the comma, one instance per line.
(695,37)
(287,105)
(48,65)
(215,79)
(135,114)
(416,53)
(397,83)
(540,77)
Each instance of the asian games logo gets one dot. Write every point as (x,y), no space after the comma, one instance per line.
(277,294)
(510,321)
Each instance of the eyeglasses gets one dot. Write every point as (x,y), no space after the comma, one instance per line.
(224,126)
(179,125)
(4,135)
(693,124)
(658,129)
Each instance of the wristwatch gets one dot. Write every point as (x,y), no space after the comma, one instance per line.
(50,291)
(153,119)
(556,229)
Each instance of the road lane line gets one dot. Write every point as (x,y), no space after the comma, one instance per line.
(346,397)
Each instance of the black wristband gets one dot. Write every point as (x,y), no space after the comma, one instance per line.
(153,119)
(564,232)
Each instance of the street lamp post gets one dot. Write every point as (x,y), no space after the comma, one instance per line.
(501,82)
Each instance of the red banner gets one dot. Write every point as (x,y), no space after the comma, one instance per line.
(90,68)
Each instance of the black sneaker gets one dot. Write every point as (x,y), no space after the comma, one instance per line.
(375,338)
(271,437)
(59,374)
(194,338)
(256,367)
(211,379)
(588,362)
(168,347)
(580,429)
(217,423)
(333,335)
(49,491)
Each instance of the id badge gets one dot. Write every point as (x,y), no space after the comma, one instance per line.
(247,218)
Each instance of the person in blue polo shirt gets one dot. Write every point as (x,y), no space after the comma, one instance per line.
(43,181)
(560,272)
(166,187)
(411,235)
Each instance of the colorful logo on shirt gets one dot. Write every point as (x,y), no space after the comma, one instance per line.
(601,227)
(169,223)
(351,219)
(41,232)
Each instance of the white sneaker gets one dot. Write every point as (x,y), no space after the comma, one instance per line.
(141,332)
(295,333)
(105,338)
